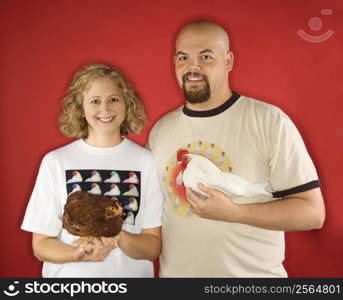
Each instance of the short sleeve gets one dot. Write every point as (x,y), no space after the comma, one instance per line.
(291,168)
(154,198)
(43,211)
(150,143)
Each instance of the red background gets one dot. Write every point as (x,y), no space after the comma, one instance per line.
(44,42)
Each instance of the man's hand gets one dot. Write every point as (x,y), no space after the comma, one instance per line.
(95,250)
(218,206)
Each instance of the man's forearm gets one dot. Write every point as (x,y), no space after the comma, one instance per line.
(287,214)
(140,246)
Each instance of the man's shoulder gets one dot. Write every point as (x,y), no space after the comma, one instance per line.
(259,104)
(170,117)
(164,126)
(260,107)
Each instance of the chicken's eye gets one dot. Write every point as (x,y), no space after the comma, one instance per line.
(76,228)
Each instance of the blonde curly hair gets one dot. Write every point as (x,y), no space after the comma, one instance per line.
(72,122)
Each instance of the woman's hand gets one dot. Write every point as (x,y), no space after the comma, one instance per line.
(96,249)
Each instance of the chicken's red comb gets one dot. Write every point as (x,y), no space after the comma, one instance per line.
(181,153)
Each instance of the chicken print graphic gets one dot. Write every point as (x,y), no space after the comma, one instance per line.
(95,190)
(114,191)
(76,177)
(109,183)
(94,178)
(132,178)
(114,178)
(133,205)
(130,218)
(75,188)
(133,191)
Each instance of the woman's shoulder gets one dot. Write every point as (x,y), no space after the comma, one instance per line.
(56,153)
(138,148)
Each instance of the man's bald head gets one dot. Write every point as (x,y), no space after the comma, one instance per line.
(203,62)
(205,26)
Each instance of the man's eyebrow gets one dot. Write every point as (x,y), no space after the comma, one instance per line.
(180,53)
(201,52)
(206,50)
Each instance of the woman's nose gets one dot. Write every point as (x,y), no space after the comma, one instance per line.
(105,106)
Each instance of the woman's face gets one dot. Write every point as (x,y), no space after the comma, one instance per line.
(104,107)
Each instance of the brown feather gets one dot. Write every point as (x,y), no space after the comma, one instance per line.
(86,214)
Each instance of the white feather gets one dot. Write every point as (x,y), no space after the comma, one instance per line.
(201,170)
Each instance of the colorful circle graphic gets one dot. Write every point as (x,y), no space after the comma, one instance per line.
(172,178)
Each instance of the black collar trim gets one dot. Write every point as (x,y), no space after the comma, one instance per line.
(212,112)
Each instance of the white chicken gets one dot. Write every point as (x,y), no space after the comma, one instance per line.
(198,169)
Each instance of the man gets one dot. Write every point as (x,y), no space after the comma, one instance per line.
(229,236)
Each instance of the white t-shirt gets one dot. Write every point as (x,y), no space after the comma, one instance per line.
(78,166)
(251,139)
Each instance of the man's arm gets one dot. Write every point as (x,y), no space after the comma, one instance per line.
(146,245)
(301,211)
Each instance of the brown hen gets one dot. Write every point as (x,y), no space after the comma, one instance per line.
(91,215)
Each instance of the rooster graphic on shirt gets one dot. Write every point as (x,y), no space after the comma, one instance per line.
(172,176)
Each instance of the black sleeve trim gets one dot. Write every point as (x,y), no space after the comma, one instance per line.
(298,189)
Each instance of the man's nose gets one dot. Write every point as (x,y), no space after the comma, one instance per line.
(194,64)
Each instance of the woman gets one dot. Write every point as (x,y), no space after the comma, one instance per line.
(101,108)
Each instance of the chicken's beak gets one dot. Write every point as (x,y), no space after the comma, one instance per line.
(112,211)
(118,211)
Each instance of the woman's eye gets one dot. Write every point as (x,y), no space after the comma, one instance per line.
(114,99)
(94,101)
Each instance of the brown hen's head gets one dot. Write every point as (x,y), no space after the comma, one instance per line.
(86,214)
(115,210)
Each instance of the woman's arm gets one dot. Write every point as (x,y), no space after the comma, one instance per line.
(50,249)
(145,245)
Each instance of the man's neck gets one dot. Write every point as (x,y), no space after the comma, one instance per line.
(211,103)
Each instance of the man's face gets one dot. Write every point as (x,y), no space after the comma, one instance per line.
(202,63)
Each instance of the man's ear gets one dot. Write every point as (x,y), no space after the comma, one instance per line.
(229,60)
